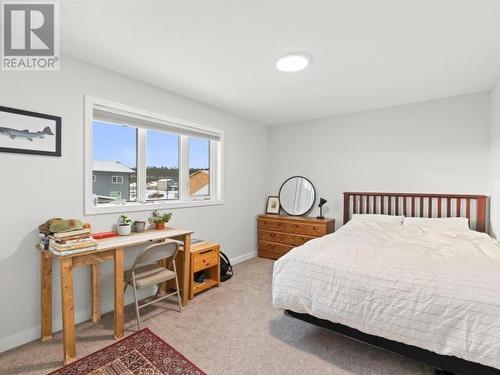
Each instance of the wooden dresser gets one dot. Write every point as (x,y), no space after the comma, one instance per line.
(278,234)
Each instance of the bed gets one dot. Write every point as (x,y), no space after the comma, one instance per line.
(426,291)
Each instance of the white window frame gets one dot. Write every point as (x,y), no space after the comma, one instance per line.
(216,196)
(117,180)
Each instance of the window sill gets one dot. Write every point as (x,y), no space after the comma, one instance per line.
(149,206)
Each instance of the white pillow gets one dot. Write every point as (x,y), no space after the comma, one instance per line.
(439,222)
(389,219)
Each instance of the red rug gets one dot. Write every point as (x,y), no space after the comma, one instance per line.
(142,353)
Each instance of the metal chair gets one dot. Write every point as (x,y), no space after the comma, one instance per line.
(146,272)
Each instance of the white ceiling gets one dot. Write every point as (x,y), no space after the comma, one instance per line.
(366,53)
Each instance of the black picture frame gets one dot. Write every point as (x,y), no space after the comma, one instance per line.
(57,122)
(267,205)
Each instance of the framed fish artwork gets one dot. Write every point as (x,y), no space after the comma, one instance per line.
(25,132)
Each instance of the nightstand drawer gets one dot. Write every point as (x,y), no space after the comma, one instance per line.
(273,250)
(297,239)
(205,259)
(273,225)
(307,229)
(272,236)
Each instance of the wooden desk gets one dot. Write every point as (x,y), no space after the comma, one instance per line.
(107,249)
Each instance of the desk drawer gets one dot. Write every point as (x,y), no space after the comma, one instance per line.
(273,225)
(297,239)
(307,229)
(272,236)
(273,250)
(205,259)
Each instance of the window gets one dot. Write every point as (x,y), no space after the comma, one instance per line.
(199,167)
(162,165)
(115,194)
(136,160)
(114,151)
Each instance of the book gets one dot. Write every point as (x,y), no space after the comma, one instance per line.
(100,236)
(75,251)
(71,242)
(72,247)
(71,233)
(72,238)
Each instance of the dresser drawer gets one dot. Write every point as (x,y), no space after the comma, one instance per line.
(272,236)
(307,229)
(297,239)
(273,250)
(273,225)
(205,259)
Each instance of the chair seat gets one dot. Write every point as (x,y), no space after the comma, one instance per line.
(150,275)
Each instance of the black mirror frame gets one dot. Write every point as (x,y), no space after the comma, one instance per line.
(314,197)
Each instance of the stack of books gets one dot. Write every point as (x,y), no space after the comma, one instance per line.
(71,242)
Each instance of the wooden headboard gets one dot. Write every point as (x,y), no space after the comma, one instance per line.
(418,205)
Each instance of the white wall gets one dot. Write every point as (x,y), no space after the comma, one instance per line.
(435,146)
(35,188)
(495,161)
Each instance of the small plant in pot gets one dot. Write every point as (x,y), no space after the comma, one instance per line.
(124,225)
(159,220)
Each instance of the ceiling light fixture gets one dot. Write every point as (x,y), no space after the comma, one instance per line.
(293,62)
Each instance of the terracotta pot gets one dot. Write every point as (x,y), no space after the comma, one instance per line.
(159,225)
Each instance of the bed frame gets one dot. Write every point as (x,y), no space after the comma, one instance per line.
(472,207)
(418,205)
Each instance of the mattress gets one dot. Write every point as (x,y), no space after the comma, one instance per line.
(435,288)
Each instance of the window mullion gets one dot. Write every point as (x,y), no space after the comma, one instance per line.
(184,167)
(141,165)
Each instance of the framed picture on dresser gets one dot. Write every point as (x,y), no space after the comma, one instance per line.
(273,205)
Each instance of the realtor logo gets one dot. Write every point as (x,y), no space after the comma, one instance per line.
(30,39)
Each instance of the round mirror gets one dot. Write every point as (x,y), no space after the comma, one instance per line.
(297,196)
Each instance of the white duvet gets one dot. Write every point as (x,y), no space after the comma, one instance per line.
(435,288)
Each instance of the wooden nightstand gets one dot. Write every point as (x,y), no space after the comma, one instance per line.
(205,256)
(278,234)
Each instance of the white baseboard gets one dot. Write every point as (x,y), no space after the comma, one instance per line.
(243,257)
(32,334)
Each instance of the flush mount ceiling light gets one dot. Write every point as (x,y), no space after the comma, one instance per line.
(293,62)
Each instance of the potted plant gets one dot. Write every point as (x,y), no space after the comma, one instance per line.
(159,219)
(124,225)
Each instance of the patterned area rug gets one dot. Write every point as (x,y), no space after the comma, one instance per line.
(142,353)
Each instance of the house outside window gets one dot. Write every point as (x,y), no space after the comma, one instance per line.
(107,174)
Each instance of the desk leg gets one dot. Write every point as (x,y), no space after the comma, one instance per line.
(186,271)
(46,295)
(118,265)
(68,309)
(95,270)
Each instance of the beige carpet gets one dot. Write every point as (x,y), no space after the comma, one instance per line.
(229,330)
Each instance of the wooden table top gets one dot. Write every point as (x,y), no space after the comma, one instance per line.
(133,239)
